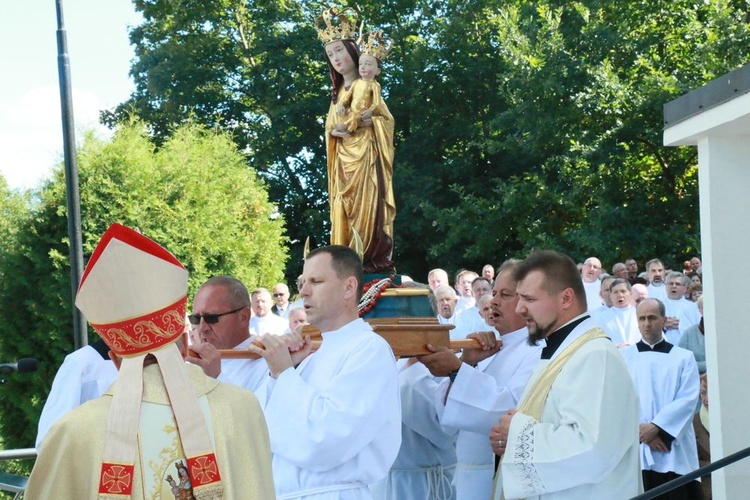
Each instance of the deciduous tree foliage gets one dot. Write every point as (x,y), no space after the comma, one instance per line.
(519,124)
(195,195)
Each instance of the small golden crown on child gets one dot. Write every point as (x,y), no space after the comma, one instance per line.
(377,45)
(334,25)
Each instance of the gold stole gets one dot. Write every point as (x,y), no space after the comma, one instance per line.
(533,402)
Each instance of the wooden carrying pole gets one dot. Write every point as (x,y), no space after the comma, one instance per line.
(406,336)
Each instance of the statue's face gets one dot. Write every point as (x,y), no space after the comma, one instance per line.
(368,67)
(339,57)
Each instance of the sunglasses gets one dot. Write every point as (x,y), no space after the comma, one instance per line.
(279,294)
(211,319)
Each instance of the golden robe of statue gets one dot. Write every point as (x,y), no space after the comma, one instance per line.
(360,173)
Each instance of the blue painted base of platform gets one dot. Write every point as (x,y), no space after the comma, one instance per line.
(399,305)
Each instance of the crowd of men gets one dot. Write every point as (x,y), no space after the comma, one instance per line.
(577,387)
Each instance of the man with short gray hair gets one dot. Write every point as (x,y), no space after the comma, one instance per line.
(281,299)
(444,301)
(592,268)
(436,278)
(681,313)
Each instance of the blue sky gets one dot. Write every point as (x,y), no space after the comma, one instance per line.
(100,55)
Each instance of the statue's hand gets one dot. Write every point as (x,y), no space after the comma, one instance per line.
(339,133)
(365,119)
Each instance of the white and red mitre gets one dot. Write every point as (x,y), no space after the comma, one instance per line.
(134,294)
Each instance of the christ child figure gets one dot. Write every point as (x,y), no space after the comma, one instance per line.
(364,101)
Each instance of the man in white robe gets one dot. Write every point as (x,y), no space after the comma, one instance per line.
(656,272)
(437,278)
(334,416)
(223,303)
(575,433)
(445,304)
(605,297)
(482,389)
(480,287)
(620,322)
(592,269)
(681,313)
(466,299)
(426,461)
(264,321)
(84,374)
(668,385)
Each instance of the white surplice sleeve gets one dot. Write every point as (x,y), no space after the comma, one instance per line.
(677,414)
(320,428)
(584,432)
(477,399)
(418,389)
(83,375)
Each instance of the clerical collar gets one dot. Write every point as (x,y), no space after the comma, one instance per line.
(662,346)
(446,321)
(556,338)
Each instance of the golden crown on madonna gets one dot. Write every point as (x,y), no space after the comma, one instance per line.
(334,25)
(377,45)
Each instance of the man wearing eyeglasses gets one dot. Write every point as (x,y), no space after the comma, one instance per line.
(281,297)
(221,312)
(681,313)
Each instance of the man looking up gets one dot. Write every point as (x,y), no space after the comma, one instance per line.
(264,321)
(334,416)
(575,434)
(666,379)
(281,299)
(476,394)
(592,268)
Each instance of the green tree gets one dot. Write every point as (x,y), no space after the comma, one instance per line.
(254,69)
(518,124)
(194,195)
(584,84)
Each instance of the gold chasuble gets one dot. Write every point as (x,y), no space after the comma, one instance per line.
(164,429)
(70,457)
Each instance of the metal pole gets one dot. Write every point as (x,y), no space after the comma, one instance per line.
(71,177)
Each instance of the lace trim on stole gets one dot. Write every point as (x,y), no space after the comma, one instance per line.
(523,459)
